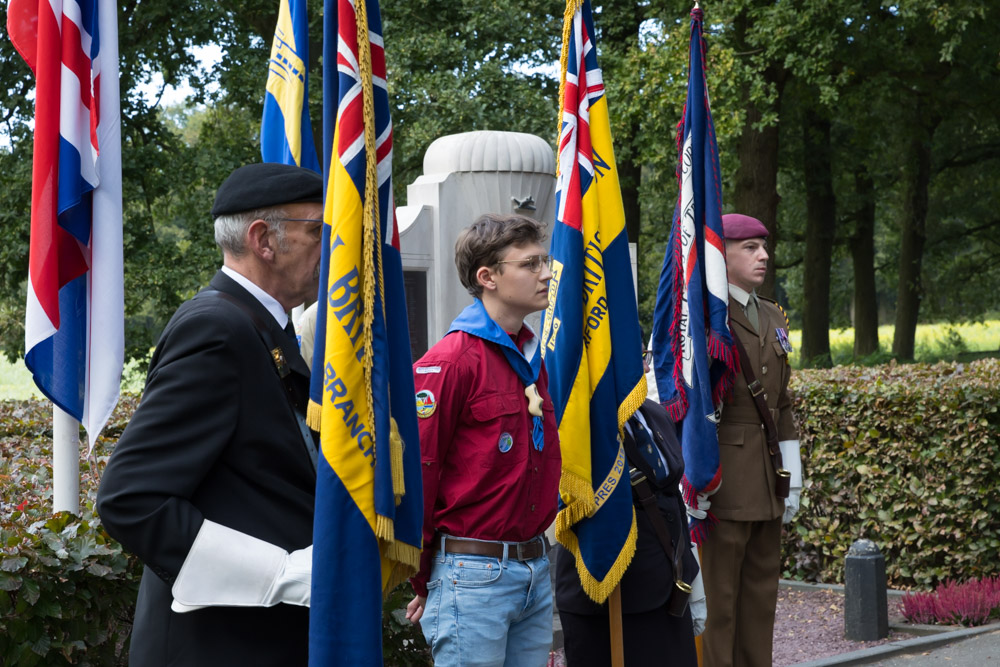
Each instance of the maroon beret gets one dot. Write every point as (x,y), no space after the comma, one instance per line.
(736,226)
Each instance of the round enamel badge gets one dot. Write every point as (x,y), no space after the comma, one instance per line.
(505,442)
(426,403)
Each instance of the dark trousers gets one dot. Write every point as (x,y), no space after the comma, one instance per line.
(741,563)
(651,638)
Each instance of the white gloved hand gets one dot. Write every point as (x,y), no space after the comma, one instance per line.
(228,568)
(792,462)
(702,504)
(697,601)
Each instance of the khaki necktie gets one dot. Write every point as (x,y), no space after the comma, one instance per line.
(752,313)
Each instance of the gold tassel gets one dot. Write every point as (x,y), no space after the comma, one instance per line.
(314,413)
(384,528)
(396,452)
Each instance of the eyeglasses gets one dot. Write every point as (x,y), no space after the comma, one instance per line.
(533,263)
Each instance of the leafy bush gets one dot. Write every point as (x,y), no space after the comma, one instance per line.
(67,590)
(906,456)
(971,603)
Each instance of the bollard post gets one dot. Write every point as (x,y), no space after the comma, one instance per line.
(866,611)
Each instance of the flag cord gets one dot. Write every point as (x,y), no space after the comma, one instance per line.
(372,251)
(370,203)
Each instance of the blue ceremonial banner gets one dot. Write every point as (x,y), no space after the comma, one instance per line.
(692,346)
(369,501)
(590,333)
(285,131)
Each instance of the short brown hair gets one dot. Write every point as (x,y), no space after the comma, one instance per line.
(484,242)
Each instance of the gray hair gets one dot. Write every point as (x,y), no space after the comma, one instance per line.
(231,229)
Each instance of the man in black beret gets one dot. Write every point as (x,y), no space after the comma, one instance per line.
(212,483)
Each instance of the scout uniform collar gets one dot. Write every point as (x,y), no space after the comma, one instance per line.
(475,321)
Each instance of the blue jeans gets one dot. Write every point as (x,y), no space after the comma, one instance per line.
(488,612)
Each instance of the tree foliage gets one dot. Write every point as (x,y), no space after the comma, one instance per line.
(908,93)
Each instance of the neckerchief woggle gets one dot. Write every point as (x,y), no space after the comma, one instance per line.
(475,321)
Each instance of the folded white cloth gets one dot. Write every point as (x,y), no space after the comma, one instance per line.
(227,568)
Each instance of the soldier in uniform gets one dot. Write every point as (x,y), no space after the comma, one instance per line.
(741,558)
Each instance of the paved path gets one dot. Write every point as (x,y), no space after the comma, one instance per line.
(972,647)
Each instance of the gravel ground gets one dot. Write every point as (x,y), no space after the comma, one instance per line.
(808,625)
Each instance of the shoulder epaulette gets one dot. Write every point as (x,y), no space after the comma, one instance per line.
(778,305)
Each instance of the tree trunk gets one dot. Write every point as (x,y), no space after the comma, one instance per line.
(821,223)
(755,190)
(862,245)
(911,252)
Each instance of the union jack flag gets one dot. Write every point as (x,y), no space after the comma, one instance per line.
(369,503)
(74,322)
(590,332)
(692,346)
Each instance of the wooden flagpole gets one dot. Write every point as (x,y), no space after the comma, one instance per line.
(615,618)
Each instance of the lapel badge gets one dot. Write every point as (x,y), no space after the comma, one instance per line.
(279,361)
(505,442)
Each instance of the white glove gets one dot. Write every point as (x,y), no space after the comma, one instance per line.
(227,568)
(702,504)
(697,602)
(792,462)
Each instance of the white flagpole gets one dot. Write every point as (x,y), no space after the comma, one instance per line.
(65,462)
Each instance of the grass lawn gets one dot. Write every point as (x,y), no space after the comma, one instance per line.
(934,342)
(15,381)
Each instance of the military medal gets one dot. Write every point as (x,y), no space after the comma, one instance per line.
(786,344)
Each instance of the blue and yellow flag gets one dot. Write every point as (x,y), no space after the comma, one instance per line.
(285,131)
(590,332)
(369,502)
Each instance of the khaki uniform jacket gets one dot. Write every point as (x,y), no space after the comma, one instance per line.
(747,491)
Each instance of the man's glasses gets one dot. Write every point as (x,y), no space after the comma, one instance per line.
(533,263)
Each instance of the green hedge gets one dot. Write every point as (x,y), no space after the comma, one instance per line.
(907,456)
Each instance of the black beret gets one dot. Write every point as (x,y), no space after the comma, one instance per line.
(268,184)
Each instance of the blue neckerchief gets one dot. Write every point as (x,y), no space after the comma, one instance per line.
(475,321)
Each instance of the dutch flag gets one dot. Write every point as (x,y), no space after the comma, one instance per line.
(74,323)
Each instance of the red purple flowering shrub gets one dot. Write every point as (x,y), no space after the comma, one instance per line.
(971,603)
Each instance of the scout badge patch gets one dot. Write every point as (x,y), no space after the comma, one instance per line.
(426,403)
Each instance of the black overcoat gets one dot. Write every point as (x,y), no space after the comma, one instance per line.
(214,437)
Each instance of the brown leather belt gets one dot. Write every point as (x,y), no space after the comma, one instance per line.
(515,550)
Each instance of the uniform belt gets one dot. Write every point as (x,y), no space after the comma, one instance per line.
(515,550)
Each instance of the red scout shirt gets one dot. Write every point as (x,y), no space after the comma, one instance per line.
(482,476)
